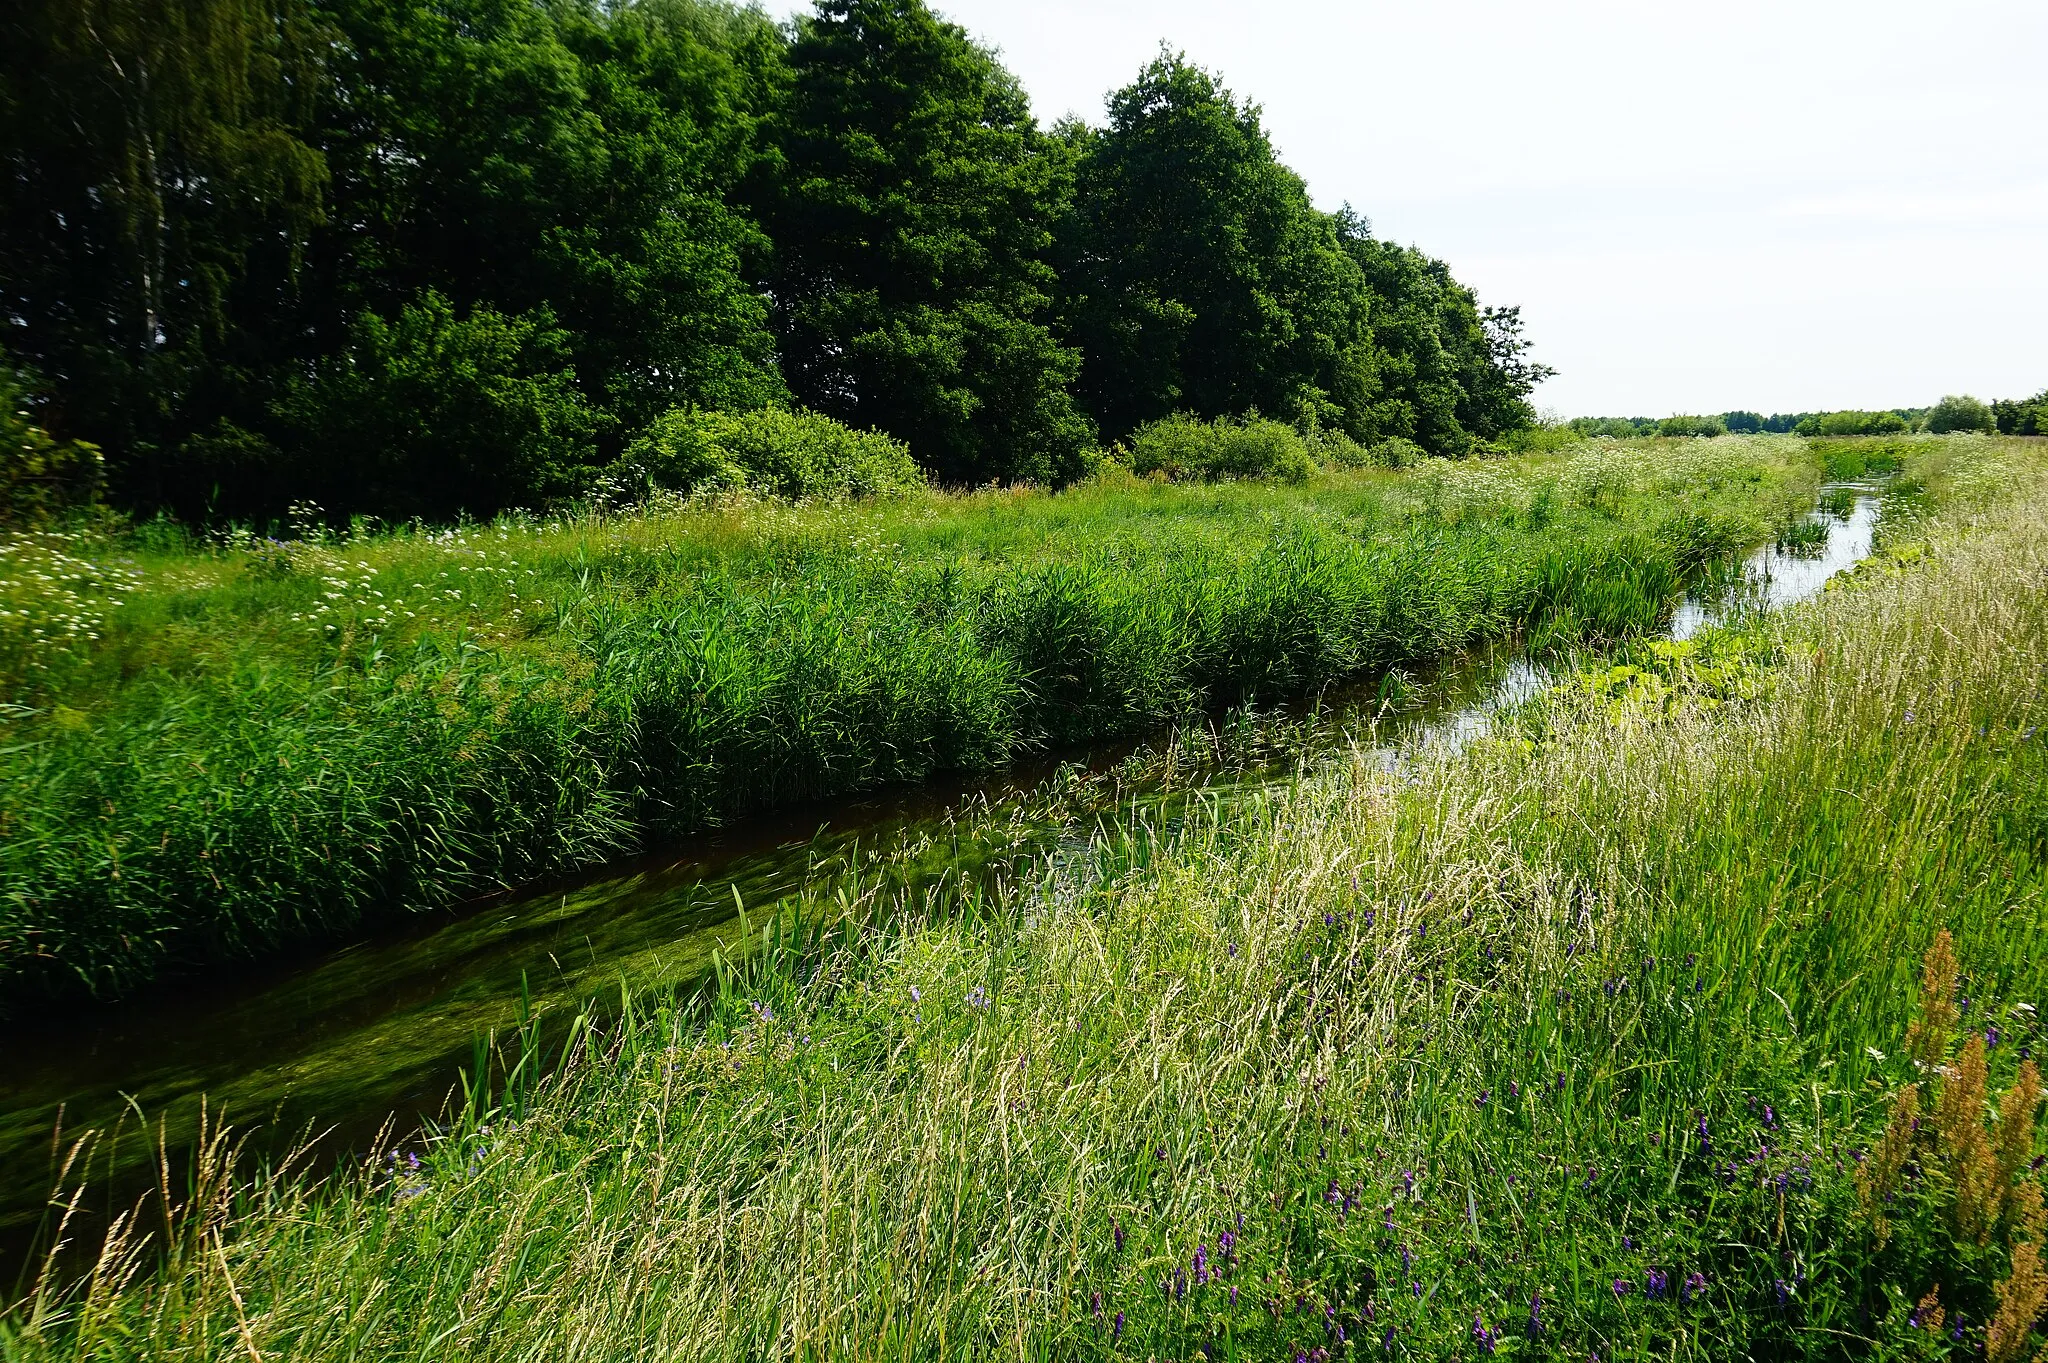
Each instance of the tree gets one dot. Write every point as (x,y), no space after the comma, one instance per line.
(1198,276)
(912,219)
(1960,413)
(1450,372)
(2027,416)
(154,169)
(432,414)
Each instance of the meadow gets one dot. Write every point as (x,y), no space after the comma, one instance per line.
(212,747)
(1687,1021)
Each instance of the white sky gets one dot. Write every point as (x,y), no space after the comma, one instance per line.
(1776,206)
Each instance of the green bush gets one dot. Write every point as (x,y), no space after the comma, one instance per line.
(1397,453)
(787,454)
(39,474)
(1853,423)
(1960,413)
(431,414)
(1186,449)
(1692,426)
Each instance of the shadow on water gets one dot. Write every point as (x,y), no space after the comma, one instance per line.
(382,1029)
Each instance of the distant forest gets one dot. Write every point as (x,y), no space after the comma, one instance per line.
(2022,416)
(420,258)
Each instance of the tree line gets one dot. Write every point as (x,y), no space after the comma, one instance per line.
(430,257)
(1956,412)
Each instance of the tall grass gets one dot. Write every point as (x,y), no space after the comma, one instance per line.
(266,740)
(1567,1044)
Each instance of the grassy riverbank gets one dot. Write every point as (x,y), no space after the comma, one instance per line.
(1583,1041)
(215,748)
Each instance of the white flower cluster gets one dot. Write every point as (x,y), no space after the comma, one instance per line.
(54,598)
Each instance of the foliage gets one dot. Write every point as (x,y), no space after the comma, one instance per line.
(1692,426)
(157,177)
(1955,413)
(1198,276)
(1451,372)
(1852,423)
(212,205)
(2027,416)
(1587,1044)
(912,219)
(40,475)
(1182,448)
(785,454)
(470,708)
(432,413)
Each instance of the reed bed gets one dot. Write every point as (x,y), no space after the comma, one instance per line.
(227,746)
(1583,1041)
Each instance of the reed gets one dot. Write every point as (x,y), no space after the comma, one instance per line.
(255,741)
(1570,1043)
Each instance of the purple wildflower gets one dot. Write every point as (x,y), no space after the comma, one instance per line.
(1116,1231)
(1695,1287)
(1116,1328)
(1536,1316)
(1622,1287)
(1481,1336)
(1655,1284)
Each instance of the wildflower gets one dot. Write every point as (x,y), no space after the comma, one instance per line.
(977,998)
(1536,1316)
(1408,1181)
(1407,1260)
(1622,1287)
(1991,1037)
(1655,1283)
(1481,1336)
(1514,1089)
(1116,1230)
(1480,1101)
(1627,1243)
(1095,1304)
(1783,1291)
(1233,1294)
(1388,1341)
(1116,1329)
(915,995)
(1695,1285)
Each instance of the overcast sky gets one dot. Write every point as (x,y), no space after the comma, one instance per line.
(1777,206)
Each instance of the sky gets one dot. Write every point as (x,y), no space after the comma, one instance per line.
(1784,206)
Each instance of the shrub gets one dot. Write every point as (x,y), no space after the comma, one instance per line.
(1692,426)
(1960,413)
(784,453)
(1186,449)
(433,413)
(1397,453)
(39,474)
(1853,423)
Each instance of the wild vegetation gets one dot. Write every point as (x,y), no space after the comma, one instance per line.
(1956,413)
(216,745)
(420,258)
(1687,1021)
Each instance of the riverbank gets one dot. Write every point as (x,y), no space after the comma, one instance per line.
(1573,1041)
(229,747)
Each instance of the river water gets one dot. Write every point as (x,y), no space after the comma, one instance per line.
(381,1028)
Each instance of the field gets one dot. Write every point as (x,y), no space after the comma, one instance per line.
(1603,1037)
(217,747)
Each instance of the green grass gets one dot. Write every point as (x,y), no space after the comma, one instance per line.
(242,743)
(1614,998)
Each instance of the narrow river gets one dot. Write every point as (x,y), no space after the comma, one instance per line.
(381,1028)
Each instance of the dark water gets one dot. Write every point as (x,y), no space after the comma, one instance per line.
(384,1027)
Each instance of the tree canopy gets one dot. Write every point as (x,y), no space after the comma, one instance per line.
(432,257)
